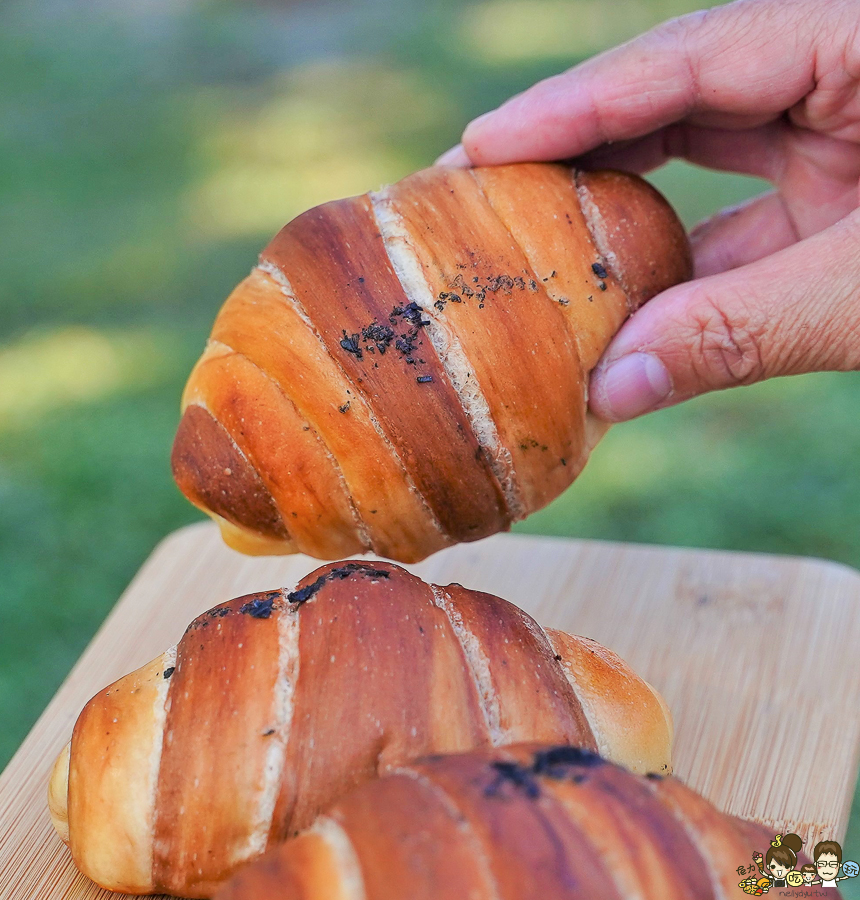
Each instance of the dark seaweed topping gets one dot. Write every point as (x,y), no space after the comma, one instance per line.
(352,568)
(424,379)
(406,343)
(259,608)
(269,732)
(350,344)
(412,312)
(558,657)
(302,595)
(515,775)
(345,407)
(219,612)
(531,443)
(599,270)
(305,593)
(379,335)
(654,776)
(557,763)
(404,323)
(169,671)
(452,296)
(602,285)
(502,283)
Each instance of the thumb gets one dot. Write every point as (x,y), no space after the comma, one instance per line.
(795,311)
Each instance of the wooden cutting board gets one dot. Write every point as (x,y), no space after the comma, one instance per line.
(756,656)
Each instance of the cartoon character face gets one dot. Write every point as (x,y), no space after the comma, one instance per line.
(827,866)
(808,877)
(777,869)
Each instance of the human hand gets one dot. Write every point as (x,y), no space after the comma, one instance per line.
(761,87)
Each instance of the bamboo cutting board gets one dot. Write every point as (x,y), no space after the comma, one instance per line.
(756,656)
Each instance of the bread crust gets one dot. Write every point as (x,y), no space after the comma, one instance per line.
(114,754)
(215,475)
(552,231)
(513,335)
(261,320)
(308,493)
(336,263)
(620,710)
(220,721)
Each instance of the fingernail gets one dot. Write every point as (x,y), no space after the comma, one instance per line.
(456,156)
(633,385)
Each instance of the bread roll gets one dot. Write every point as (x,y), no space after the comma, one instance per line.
(510,823)
(408,369)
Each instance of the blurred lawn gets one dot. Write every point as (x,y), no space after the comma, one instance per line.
(147,153)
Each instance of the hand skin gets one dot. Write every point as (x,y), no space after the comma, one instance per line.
(762,87)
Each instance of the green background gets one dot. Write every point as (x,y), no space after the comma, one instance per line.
(146,154)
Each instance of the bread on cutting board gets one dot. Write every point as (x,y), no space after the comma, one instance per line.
(275,704)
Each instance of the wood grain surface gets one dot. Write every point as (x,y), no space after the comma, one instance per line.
(756,656)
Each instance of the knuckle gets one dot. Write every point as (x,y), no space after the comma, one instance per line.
(728,338)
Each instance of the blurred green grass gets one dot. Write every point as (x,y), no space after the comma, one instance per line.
(147,153)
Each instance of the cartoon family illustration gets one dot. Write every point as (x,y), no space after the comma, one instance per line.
(778,867)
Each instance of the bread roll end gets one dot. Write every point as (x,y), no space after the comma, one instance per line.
(636,231)
(215,476)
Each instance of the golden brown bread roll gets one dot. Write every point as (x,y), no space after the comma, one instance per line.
(274,704)
(511,823)
(408,369)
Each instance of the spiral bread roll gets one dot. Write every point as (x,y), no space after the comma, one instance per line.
(275,704)
(510,823)
(408,369)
